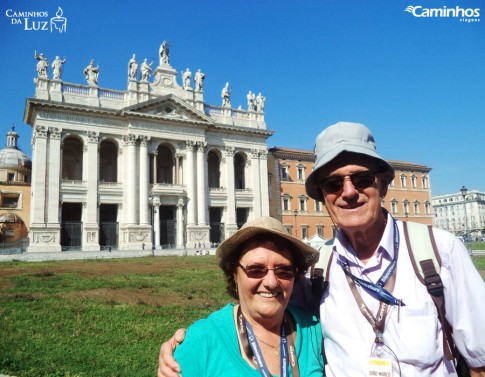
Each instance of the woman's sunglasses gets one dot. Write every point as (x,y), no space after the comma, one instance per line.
(256,271)
(360,180)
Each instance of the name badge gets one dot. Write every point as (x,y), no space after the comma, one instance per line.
(379,367)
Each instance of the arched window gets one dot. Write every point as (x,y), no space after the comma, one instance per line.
(413,181)
(214,169)
(394,206)
(403,180)
(406,207)
(424,181)
(416,207)
(165,164)
(108,161)
(72,159)
(239,171)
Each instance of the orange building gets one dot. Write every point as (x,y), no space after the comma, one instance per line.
(408,198)
(15,173)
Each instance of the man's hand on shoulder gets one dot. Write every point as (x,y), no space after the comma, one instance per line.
(167,365)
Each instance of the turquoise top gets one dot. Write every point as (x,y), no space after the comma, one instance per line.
(211,346)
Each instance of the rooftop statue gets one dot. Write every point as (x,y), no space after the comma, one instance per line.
(186,79)
(42,65)
(164,53)
(91,73)
(226,96)
(132,68)
(146,70)
(199,80)
(251,101)
(260,100)
(57,68)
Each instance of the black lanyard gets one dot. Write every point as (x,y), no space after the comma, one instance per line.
(253,351)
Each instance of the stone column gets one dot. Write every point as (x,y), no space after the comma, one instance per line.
(263,165)
(90,221)
(39,167)
(54,179)
(180,223)
(176,180)
(130,180)
(143,179)
(231,188)
(154,166)
(201,185)
(255,170)
(44,237)
(191,193)
(156,220)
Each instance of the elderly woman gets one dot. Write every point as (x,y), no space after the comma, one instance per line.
(261,335)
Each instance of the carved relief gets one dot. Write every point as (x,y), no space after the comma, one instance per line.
(144,140)
(129,140)
(54,132)
(40,131)
(229,151)
(197,235)
(138,236)
(91,236)
(93,136)
(189,145)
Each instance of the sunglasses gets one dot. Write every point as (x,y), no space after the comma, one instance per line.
(360,180)
(258,272)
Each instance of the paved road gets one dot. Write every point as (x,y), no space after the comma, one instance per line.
(76,255)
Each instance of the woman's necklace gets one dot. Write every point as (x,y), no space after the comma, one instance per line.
(276,349)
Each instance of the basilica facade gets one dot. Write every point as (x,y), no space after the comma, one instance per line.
(150,167)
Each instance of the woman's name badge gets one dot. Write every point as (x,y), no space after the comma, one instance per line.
(379,367)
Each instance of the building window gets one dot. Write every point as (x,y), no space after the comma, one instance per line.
(406,207)
(284,172)
(320,230)
(300,171)
(318,206)
(394,206)
(416,207)
(403,180)
(286,202)
(9,200)
(11,177)
(413,181)
(302,203)
(424,182)
(304,232)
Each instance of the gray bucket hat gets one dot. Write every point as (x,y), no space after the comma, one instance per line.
(266,225)
(338,138)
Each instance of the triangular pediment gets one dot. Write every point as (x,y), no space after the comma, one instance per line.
(167,107)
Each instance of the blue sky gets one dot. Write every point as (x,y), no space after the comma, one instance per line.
(418,83)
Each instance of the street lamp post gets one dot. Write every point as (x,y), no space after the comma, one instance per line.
(295,212)
(464,191)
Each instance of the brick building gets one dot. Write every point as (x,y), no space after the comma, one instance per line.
(408,198)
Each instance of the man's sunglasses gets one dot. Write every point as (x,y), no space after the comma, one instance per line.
(360,180)
(258,272)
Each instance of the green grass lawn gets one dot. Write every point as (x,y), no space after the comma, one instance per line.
(102,317)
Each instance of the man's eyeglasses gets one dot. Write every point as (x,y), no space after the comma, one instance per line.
(258,272)
(360,180)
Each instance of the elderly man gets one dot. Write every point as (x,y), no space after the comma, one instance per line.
(377,318)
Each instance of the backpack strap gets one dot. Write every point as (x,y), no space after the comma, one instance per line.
(427,266)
